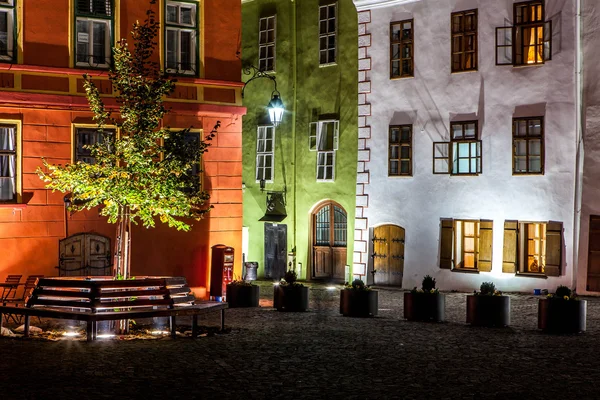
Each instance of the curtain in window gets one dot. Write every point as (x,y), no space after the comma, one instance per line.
(7,163)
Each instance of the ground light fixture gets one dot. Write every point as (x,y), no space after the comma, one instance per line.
(275,106)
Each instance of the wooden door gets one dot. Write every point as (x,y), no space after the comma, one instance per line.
(71,257)
(388,255)
(275,250)
(98,255)
(84,254)
(593,271)
(330,225)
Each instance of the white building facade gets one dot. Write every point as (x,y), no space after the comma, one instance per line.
(470,162)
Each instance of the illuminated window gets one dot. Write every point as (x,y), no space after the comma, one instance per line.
(528,146)
(8,163)
(466,245)
(7,30)
(529,40)
(401,49)
(265,153)
(464,41)
(535,248)
(327,34)
(181,37)
(86,137)
(400,150)
(93,36)
(266,43)
(324,138)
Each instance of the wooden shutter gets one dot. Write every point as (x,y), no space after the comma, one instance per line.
(484,261)
(446,244)
(312,136)
(509,255)
(553,248)
(504,48)
(547,52)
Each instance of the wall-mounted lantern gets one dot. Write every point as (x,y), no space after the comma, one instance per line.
(275,106)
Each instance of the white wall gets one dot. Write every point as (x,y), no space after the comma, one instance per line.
(432,98)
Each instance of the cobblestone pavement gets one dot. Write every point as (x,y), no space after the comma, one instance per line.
(318,355)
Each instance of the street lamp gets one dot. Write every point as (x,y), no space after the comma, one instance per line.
(275,106)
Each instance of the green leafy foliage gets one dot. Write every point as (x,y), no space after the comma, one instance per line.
(562,291)
(358,284)
(146,170)
(488,289)
(428,283)
(290,277)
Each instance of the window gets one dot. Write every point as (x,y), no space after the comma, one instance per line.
(324,138)
(464,41)
(8,163)
(401,49)
(528,146)
(466,245)
(462,156)
(529,41)
(266,43)
(265,153)
(181,37)
(532,248)
(7,30)
(327,34)
(183,146)
(85,137)
(400,151)
(94,19)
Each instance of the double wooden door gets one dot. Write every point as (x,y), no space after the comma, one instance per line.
(388,255)
(275,250)
(329,229)
(85,254)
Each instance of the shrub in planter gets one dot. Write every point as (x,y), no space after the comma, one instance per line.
(562,312)
(425,304)
(241,293)
(290,295)
(358,300)
(488,307)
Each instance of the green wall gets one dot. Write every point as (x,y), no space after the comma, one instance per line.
(327,90)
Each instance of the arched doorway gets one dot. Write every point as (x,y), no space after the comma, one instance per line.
(388,255)
(329,238)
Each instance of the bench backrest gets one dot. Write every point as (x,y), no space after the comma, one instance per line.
(104,294)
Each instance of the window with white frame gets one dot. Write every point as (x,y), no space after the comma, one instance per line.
(181,37)
(324,139)
(8,163)
(327,33)
(266,43)
(7,29)
(462,156)
(93,35)
(265,152)
(86,137)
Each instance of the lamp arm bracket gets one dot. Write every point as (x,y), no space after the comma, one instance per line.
(256,74)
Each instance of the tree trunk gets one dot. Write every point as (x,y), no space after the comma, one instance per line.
(121,269)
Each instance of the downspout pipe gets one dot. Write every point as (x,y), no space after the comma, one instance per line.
(579,144)
(294,109)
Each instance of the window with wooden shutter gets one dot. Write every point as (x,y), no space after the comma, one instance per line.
(446,244)
(509,254)
(533,248)
(486,237)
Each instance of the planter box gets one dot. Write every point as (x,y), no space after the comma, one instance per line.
(424,306)
(359,303)
(242,296)
(488,310)
(562,316)
(290,298)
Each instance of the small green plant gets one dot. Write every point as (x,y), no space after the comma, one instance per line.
(238,281)
(488,289)
(290,278)
(563,293)
(428,283)
(358,284)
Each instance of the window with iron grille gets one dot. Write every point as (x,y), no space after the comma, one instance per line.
(528,145)
(327,34)
(86,137)
(266,43)
(529,40)
(93,33)
(464,41)
(265,153)
(8,163)
(400,151)
(181,37)
(401,49)
(7,31)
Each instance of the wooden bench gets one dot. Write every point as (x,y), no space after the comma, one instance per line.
(104,299)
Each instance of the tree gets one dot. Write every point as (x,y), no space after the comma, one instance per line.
(147,171)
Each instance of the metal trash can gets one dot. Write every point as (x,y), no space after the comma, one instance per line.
(251,270)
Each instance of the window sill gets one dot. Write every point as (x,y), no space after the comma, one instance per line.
(400,176)
(465,270)
(332,64)
(464,71)
(532,275)
(396,78)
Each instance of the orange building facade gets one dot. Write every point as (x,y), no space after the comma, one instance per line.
(45,48)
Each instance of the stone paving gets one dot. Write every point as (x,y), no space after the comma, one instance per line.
(318,355)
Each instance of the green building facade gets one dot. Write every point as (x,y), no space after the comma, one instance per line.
(303,216)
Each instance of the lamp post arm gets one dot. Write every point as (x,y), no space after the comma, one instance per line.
(256,74)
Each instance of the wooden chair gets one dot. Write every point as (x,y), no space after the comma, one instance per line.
(9,292)
(30,284)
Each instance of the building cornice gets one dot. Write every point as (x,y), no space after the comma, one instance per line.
(362,5)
